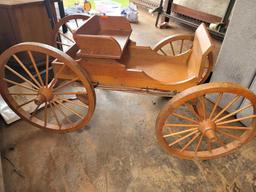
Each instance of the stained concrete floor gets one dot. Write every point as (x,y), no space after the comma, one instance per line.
(118,150)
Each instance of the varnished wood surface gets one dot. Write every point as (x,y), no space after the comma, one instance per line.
(49,92)
(161,68)
(203,128)
(143,68)
(103,37)
(133,71)
(202,46)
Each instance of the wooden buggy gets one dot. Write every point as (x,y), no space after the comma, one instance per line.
(54,89)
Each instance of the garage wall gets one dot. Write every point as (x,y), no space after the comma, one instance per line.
(237,59)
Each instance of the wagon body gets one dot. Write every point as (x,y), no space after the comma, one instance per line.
(124,75)
(113,61)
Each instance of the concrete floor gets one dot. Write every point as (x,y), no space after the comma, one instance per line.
(118,150)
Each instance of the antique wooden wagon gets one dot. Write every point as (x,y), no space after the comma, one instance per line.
(54,89)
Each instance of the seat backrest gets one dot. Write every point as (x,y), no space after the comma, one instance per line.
(202,46)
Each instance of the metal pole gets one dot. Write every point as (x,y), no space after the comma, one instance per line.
(49,12)
(228,11)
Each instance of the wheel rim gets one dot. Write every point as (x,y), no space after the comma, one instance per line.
(182,46)
(206,131)
(54,102)
(65,40)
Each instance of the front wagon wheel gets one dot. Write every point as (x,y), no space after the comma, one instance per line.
(37,94)
(192,125)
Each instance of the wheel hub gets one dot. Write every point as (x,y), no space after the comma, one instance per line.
(208,127)
(44,95)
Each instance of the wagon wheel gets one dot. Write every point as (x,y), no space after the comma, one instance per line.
(180,44)
(190,126)
(72,22)
(48,102)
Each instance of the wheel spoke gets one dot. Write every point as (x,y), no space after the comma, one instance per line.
(55,80)
(229,135)
(55,115)
(69,28)
(71,110)
(74,103)
(190,142)
(21,77)
(182,138)
(181,47)
(35,67)
(201,108)
(23,94)
(216,105)
(180,132)
(76,23)
(192,109)
(26,70)
(199,143)
(236,120)
(62,112)
(226,107)
(60,43)
(20,85)
(68,38)
(235,112)
(184,117)
(66,84)
(58,62)
(234,127)
(26,103)
(47,71)
(173,52)
(70,93)
(34,112)
(162,51)
(180,125)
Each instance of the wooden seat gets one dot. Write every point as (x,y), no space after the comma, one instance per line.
(103,37)
(171,69)
(164,69)
(202,46)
